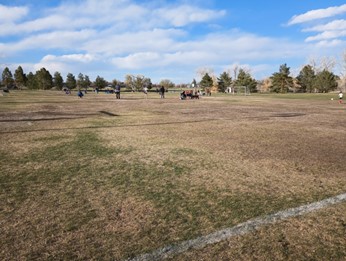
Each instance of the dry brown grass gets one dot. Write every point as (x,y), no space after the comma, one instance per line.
(316,236)
(99,178)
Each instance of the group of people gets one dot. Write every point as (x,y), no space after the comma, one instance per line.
(183,95)
(190,94)
(117,90)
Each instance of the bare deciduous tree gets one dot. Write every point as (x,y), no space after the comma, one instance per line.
(323,63)
(343,72)
(205,70)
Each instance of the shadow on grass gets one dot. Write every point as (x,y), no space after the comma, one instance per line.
(44,119)
(108,113)
(113,126)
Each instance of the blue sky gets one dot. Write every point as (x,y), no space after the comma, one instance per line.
(168,39)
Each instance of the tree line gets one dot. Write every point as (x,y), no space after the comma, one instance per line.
(308,80)
(43,80)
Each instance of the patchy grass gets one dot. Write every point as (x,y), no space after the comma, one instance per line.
(79,184)
(316,236)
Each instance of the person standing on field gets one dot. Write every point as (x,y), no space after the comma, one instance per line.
(162,92)
(117,91)
(341,95)
(145,90)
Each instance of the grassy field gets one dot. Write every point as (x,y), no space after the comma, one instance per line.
(104,179)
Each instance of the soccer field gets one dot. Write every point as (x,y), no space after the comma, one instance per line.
(103,179)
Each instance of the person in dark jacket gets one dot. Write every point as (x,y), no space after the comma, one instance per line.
(162,92)
(117,91)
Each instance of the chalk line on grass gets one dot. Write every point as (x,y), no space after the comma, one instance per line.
(248,226)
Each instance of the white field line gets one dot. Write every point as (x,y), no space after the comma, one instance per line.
(248,226)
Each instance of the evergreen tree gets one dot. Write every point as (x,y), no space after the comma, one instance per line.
(245,79)
(87,81)
(282,81)
(44,79)
(80,81)
(20,78)
(7,78)
(306,79)
(224,81)
(71,81)
(31,81)
(326,81)
(206,82)
(194,83)
(58,81)
(100,82)
(83,81)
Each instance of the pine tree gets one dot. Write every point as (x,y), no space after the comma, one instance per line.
(58,81)
(44,79)
(83,81)
(194,83)
(306,79)
(80,81)
(245,79)
(87,81)
(100,82)
(7,78)
(282,81)
(224,81)
(20,78)
(31,81)
(326,81)
(206,82)
(71,81)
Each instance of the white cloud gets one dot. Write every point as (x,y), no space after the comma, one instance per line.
(137,60)
(317,14)
(331,26)
(11,14)
(83,58)
(66,63)
(52,22)
(52,67)
(326,35)
(330,31)
(186,14)
(66,40)
(121,16)
(96,13)
(106,37)
(233,45)
(156,40)
(212,50)
(321,45)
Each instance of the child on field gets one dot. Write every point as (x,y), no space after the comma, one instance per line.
(341,95)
